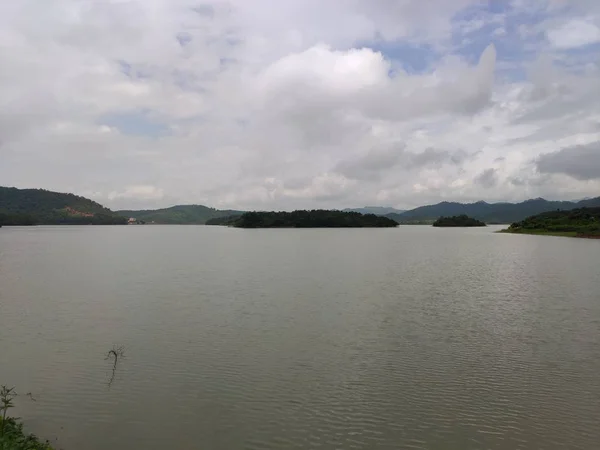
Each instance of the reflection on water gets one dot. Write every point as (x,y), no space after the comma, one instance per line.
(267,339)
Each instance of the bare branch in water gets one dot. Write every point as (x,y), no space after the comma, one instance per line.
(116,352)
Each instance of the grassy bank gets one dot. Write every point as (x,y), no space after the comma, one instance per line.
(540,232)
(13,437)
(581,223)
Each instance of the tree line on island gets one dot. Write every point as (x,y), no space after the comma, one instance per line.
(581,222)
(318,218)
(458,221)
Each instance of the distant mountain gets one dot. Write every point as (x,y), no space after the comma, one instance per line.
(377,210)
(38,206)
(489,212)
(180,214)
(589,203)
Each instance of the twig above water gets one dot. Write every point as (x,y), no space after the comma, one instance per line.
(115,353)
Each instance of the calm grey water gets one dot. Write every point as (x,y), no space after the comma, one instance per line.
(277,339)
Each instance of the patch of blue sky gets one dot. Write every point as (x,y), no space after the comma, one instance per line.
(136,123)
(184,38)
(411,58)
(131,71)
(475,16)
(579,59)
(499,6)
(513,31)
(125,68)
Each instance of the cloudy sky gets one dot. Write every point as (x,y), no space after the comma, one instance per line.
(264,104)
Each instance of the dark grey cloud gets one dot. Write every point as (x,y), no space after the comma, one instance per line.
(517,181)
(487,179)
(581,162)
(432,157)
(370,166)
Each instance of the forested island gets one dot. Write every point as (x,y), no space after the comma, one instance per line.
(581,222)
(458,221)
(305,219)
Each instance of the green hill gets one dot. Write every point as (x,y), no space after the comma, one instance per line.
(180,214)
(306,219)
(489,212)
(38,206)
(377,210)
(458,221)
(581,222)
(225,220)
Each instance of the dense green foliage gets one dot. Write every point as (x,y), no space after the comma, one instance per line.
(582,222)
(38,206)
(413,222)
(458,221)
(16,219)
(15,438)
(180,214)
(226,220)
(489,212)
(12,436)
(377,210)
(309,219)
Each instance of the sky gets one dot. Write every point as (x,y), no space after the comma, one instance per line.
(263,104)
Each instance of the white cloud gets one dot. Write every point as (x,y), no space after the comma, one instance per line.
(575,33)
(294,103)
(138,193)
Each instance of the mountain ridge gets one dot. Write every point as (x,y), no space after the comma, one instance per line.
(377,210)
(179,214)
(40,206)
(501,212)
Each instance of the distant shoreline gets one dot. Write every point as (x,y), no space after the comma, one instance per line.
(570,234)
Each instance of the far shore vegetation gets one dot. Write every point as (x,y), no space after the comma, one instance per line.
(179,215)
(415,222)
(582,223)
(458,221)
(42,207)
(305,219)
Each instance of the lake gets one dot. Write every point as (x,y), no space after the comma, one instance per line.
(414,337)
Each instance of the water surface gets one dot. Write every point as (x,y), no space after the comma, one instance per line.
(312,339)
